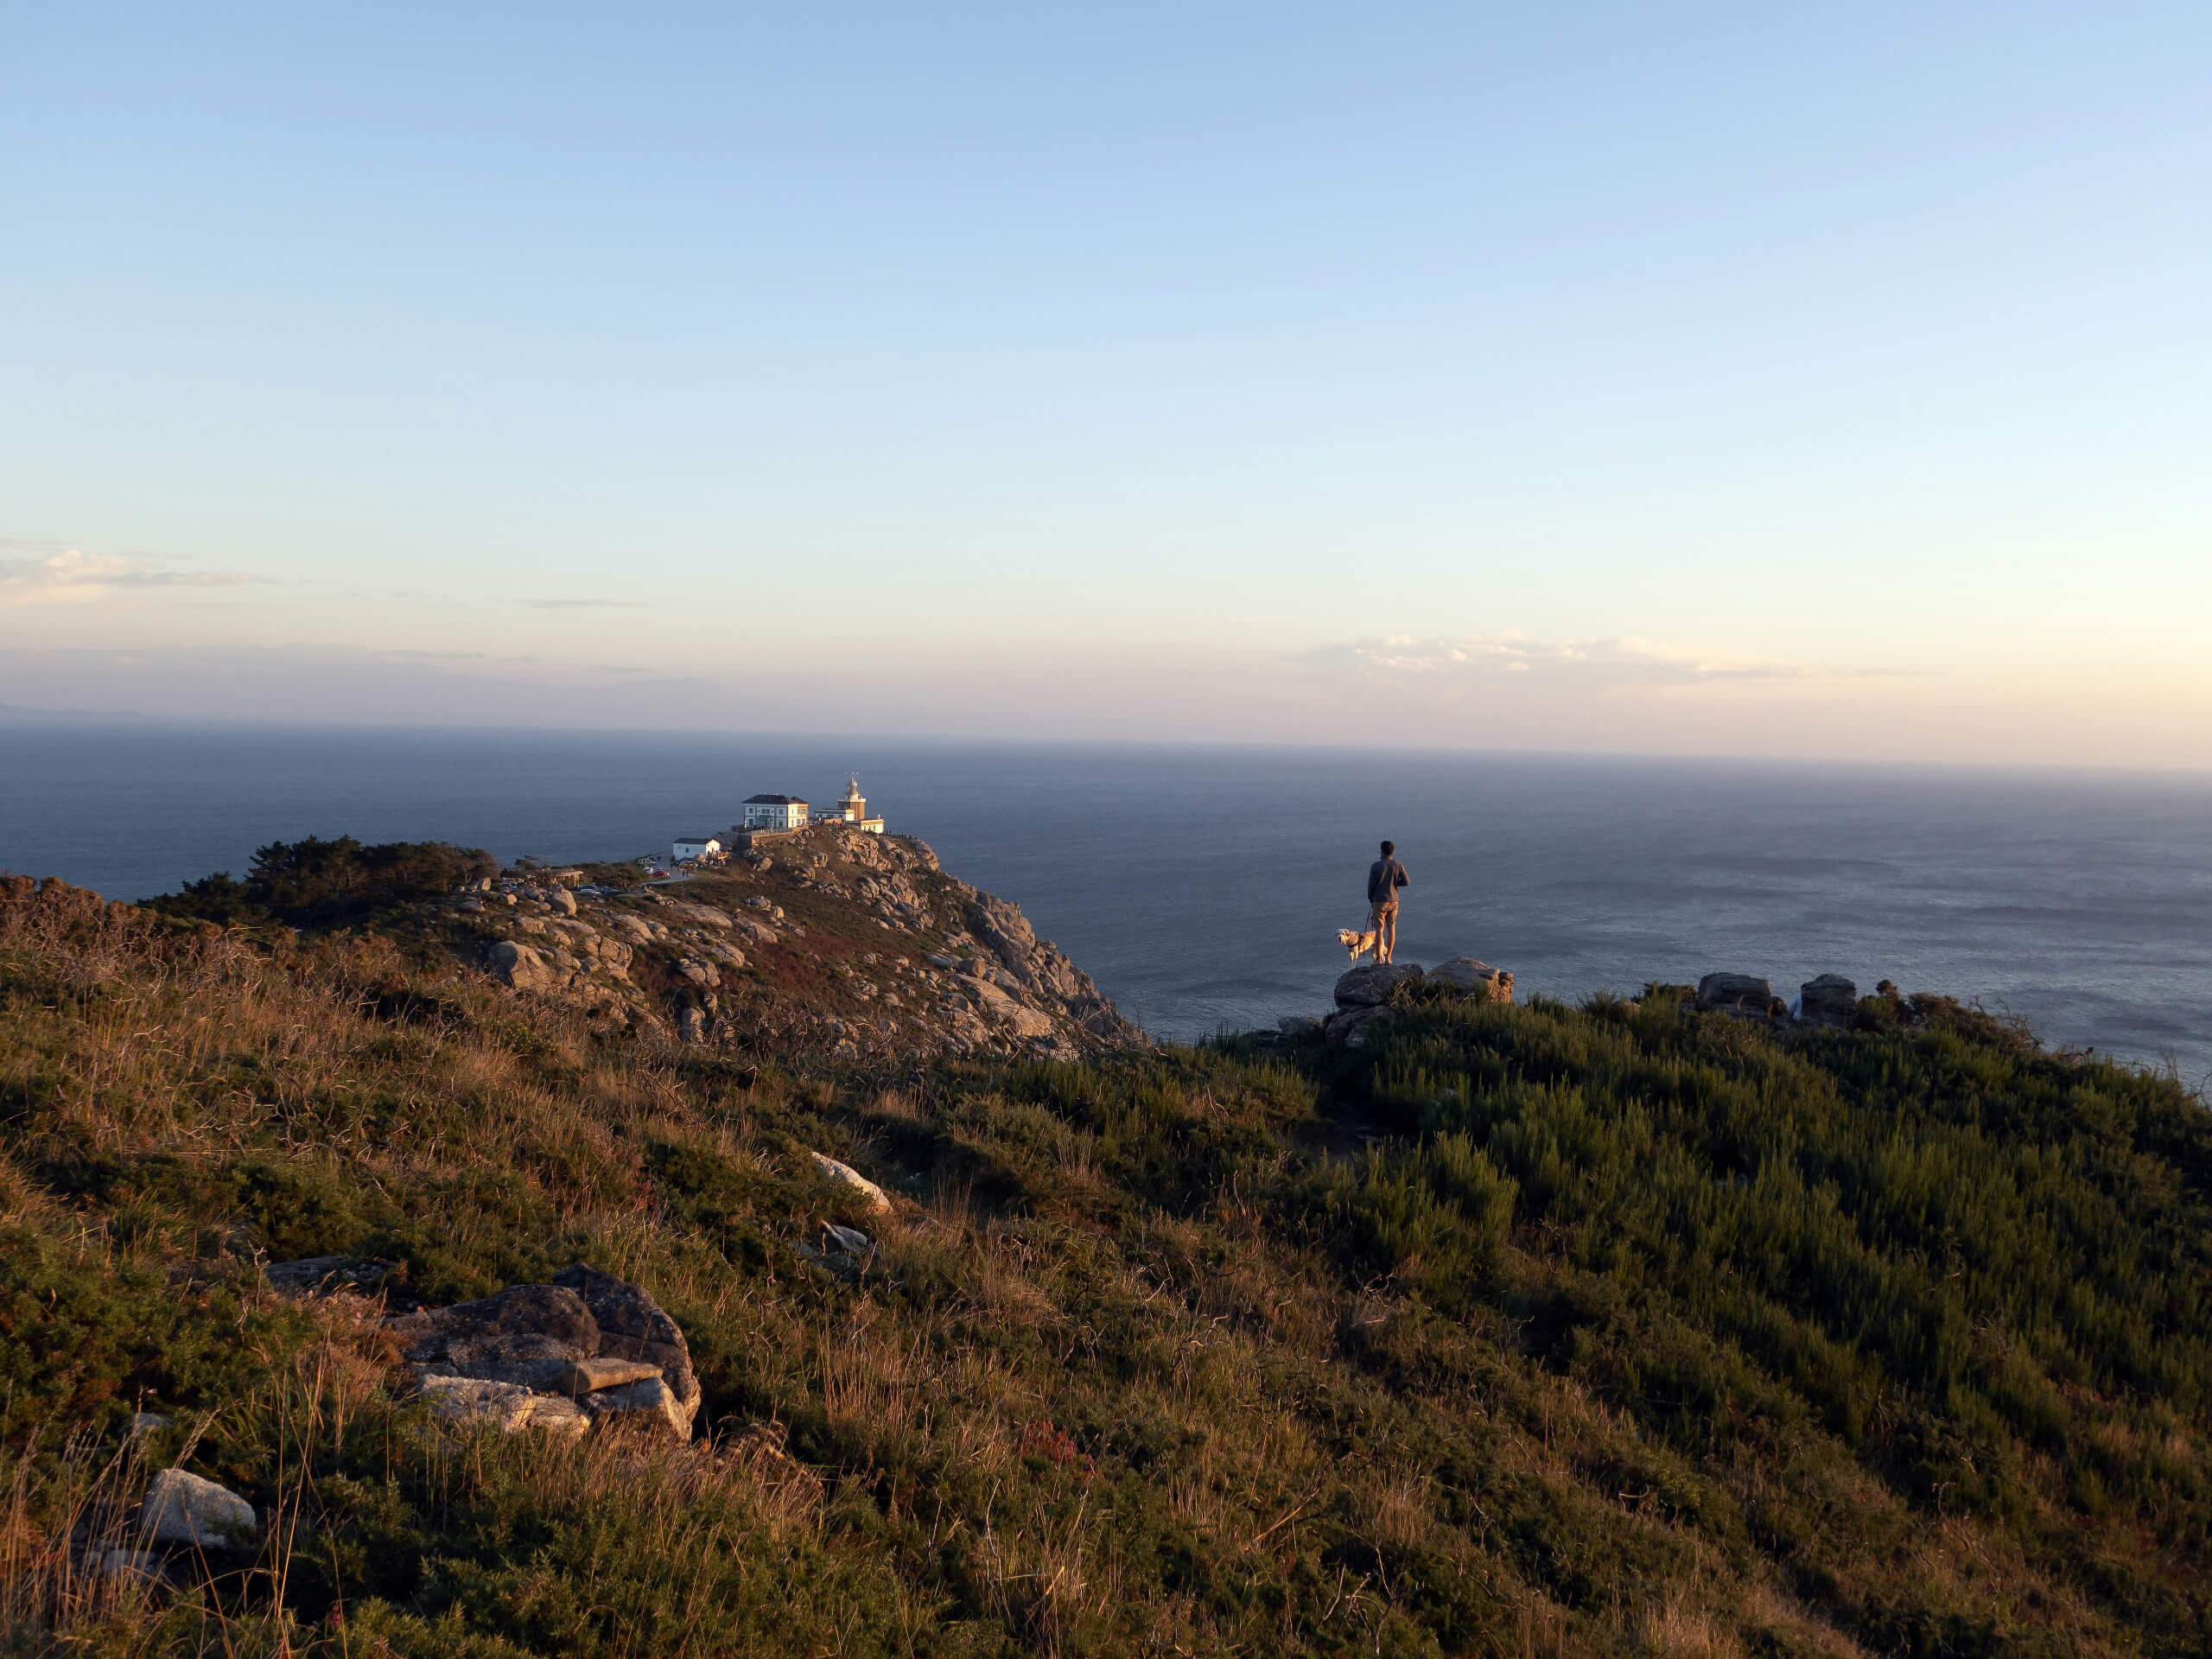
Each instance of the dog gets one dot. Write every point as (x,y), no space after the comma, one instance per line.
(1357,943)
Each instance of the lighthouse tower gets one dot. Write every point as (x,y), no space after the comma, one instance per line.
(853,807)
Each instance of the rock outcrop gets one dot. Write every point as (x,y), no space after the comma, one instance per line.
(1372,986)
(1830,1000)
(1365,996)
(1038,967)
(588,1348)
(528,1335)
(1476,979)
(762,953)
(517,964)
(1356,1027)
(1738,993)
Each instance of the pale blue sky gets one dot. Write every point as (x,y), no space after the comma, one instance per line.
(1769,383)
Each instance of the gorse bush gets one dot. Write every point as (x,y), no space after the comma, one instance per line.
(1622,1330)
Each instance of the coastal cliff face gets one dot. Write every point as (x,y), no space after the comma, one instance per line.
(556,1278)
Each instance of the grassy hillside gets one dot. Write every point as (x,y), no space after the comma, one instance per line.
(1540,1330)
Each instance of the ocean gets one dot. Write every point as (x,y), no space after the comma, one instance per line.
(1203,886)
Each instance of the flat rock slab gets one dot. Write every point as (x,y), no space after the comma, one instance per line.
(183,1511)
(529,1335)
(1371,987)
(604,1371)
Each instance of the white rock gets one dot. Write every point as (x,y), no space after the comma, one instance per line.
(181,1509)
(847,1175)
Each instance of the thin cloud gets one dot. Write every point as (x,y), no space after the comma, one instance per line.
(582,604)
(78,578)
(1590,663)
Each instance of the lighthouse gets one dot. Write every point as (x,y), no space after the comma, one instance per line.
(852,809)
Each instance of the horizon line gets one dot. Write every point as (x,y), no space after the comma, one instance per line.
(20,714)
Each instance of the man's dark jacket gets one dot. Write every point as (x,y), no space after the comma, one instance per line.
(1384,878)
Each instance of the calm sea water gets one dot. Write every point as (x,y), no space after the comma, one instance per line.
(1203,886)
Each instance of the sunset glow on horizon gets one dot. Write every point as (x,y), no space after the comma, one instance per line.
(1720,383)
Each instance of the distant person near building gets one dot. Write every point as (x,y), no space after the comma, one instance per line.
(1384,877)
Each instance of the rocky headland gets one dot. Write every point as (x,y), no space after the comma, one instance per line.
(856,945)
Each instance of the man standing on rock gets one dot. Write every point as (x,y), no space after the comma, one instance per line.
(1384,878)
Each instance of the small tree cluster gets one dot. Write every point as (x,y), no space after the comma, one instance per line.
(318,883)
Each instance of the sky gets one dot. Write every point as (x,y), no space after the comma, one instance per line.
(1697,378)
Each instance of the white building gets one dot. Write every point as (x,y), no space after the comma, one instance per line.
(690,847)
(774,812)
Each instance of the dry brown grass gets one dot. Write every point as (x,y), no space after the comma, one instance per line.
(1676,1626)
(872,1377)
(49,1586)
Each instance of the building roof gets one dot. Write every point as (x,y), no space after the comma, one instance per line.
(699,838)
(775,800)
